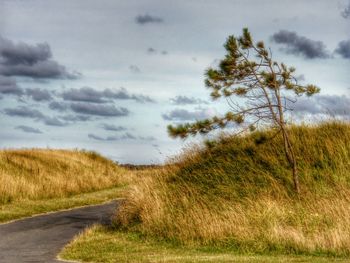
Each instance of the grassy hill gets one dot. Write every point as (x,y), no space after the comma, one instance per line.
(237,193)
(44,173)
(36,181)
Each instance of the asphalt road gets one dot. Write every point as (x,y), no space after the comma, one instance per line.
(40,238)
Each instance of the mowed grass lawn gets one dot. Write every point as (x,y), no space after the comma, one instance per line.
(101,244)
(35,181)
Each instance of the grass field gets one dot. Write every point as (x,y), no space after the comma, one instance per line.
(100,244)
(230,200)
(34,181)
(237,192)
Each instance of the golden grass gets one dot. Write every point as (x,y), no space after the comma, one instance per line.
(238,193)
(34,174)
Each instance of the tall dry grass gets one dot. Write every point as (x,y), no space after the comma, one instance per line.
(44,173)
(237,192)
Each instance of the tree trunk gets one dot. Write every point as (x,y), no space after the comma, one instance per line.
(296,177)
(291,159)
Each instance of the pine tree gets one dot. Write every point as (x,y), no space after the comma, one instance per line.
(248,72)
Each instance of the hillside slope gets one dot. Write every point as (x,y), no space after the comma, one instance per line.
(43,173)
(237,193)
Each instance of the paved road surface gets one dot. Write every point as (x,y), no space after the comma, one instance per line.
(40,238)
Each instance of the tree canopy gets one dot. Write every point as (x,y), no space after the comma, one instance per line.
(263,87)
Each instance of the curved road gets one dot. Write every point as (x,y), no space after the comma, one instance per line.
(40,238)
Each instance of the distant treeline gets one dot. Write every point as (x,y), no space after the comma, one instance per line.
(139,166)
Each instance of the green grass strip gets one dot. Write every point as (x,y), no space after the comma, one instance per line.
(100,244)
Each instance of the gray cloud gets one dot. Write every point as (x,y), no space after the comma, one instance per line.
(185,115)
(58,106)
(324,104)
(147,19)
(147,138)
(95,137)
(53,121)
(343,49)
(75,118)
(44,69)
(346,12)
(99,109)
(134,69)
(39,94)
(300,45)
(111,127)
(21,53)
(184,100)
(152,50)
(87,94)
(35,61)
(24,112)
(125,136)
(123,94)
(9,86)
(128,136)
(28,129)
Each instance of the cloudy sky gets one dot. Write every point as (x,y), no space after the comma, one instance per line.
(110,75)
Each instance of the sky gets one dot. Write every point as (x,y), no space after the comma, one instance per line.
(110,75)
